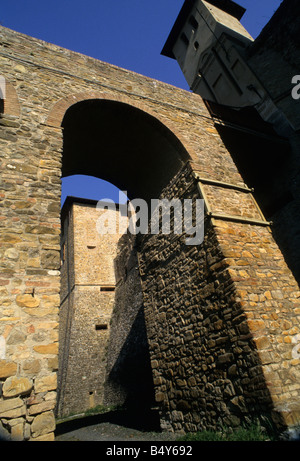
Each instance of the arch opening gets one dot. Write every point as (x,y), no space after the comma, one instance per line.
(90,188)
(139,155)
(122,145)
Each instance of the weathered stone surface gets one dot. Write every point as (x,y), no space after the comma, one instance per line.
(41,312)
(16,337)
(45,438)
(42,407)
(84,348)
(36,229)
(222,317)
(7,368)
(12,408)
(46,383)
(43,424)
(27,300)
(53,363)
(17,431)
(4,433)
(47,348)
(32,367)
(50,301)
(12,253)
(15,385)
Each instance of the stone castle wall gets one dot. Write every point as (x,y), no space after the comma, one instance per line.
(221,319)
(42,81)
(128,381)
(86,307)
(275,58)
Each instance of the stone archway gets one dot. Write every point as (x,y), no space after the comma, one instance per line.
(122,144)
(201,336)
(222,318)
(133,150)
(58,111)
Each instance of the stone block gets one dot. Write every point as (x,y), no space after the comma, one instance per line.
(47,348)
(181,287)
(15,385)
(51,301)
(7,368)
(46,383)
(32,367)
(42,407)
(12,408)
(27,300)
(159,397)
(17,432)
(50,259)
(4,434)
(43,424)
(44,438)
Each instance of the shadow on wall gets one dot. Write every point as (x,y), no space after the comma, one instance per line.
(129,380)
(142,421)
(267,164)
(198,331)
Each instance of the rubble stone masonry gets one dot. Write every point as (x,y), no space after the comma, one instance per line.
(222,318)
(221,321)
(87,298)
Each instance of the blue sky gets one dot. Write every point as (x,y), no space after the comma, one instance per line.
(126,33)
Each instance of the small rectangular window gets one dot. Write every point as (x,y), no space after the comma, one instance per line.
(184,38)
(63,254)
(101,326)
(107,288)
(193,22)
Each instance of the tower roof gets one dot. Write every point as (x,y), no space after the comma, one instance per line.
(228,6)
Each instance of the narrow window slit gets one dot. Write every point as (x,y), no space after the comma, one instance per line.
(107,288)
(101,326)
(193,22)
(184,38)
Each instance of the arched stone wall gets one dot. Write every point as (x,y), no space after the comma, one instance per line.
(133,150)
(223,329)
(59,109)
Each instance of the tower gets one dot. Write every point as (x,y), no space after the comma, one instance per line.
(87,301)
(212,48)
